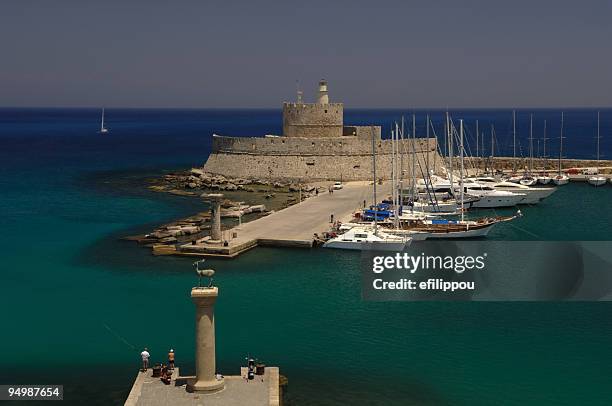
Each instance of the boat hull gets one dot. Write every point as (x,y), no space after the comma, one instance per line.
(597,181)
(560,181)
(532,195)
(498,201)
(544,180)
(366,245)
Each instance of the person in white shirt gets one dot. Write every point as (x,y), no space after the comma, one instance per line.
(145,359)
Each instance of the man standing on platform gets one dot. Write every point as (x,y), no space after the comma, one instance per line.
(145,359)
(171,359)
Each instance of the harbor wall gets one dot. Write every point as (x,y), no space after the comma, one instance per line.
(308,159)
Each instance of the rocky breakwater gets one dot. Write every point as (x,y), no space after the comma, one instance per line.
(194,181)
(247,199)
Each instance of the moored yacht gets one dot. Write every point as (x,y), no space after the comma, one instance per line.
(561,179)
(489,197)
(532,194)
(544,179)
(368,238)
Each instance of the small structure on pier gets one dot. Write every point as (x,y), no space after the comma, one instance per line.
(207,386)
(215,200)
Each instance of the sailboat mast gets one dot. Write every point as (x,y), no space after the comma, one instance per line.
(374,188)
(530,143)
(561,144)
(401,171)
(544,146)
(393,191)
(477,153)
(450,151)
(427,133)
(413,160)
(461,173)
(492,141)
(598,142)
(513,140)
(102,123)
(396,181)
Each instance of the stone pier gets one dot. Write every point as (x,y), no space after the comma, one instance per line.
(206,387)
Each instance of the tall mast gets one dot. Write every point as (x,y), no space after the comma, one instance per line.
(544,146)
(396,181)
(450,151)
(530,143)
(513,139)
(401,171)
(598,142)
(374,188)
(492,141)
(102,123)
(427,152)
(561,144)
(413,160)
(393,191)
(477,152)
(461,173)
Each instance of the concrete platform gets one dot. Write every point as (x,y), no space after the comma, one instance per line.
(263,390)
(293,226)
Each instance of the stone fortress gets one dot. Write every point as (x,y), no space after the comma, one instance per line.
(315,146)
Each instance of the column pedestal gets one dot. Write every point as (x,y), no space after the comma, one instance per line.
(205,381)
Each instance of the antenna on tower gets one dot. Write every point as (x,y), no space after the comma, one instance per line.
(299,92)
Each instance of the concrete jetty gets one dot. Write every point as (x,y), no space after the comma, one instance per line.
(259,387)
(293,226)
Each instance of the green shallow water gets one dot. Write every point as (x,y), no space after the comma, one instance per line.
(77,299)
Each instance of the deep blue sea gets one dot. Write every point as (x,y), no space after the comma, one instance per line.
(79,303)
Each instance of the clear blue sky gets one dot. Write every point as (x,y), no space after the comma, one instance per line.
(249,54)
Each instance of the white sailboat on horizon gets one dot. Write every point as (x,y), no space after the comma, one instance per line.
(103,130)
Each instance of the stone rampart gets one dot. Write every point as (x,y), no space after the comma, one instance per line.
(347,158)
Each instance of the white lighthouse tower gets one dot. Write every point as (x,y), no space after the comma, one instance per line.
(323,96)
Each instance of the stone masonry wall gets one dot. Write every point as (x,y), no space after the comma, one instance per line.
(272,159)
(312,120)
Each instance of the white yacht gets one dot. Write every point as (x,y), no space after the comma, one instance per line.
(368,238)
(528,181)
(478,195)
(561,179)
(532,194)
(490,197)
(544,179)
(598,180)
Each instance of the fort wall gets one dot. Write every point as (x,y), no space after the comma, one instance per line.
(281,158)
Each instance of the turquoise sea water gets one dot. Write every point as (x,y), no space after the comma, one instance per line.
(78,303)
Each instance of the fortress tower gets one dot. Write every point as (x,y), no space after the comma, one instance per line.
(313,120)
(315,145)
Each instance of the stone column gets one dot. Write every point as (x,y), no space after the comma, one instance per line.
(204,300)
(215,215)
